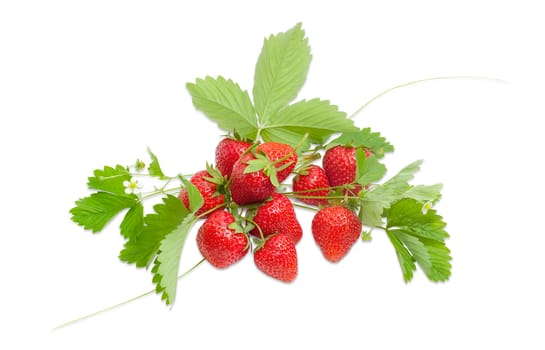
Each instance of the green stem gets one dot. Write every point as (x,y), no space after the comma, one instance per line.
(416,82)
(79,319)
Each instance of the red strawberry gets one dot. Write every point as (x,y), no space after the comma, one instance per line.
(271,160)
(277,216)
(335,230)
(340,166)
(311,182)
(220,245)
(208,190)
(228,151)
(277,258)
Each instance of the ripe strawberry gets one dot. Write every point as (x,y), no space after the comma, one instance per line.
(277,258)
(277,216)
(335,230)
(208,190)
(220,245)
(271,164)
(228,151)
(311,182)
(340,166)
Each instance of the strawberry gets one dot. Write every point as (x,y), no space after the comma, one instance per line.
(219,244)
(277,216)
(340,166)
(228,151)
(310,184)
(208,187)
(277,258)
(270,164)
(335,230)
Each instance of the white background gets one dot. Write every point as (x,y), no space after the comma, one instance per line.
(87,84)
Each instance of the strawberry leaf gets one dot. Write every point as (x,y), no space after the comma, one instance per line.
(281,71)
(154,169)
(317,118)
(418,236)
(95,211)
(364,138)
(368,169)
(133,222)
(167,263)
(225,103)
(109,179)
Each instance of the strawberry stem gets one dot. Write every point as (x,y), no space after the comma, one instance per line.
(417,82)
(79,319)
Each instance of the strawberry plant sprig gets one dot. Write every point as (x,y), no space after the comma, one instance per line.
(247,191)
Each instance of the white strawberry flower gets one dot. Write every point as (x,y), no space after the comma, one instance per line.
(132,186)
(427,206)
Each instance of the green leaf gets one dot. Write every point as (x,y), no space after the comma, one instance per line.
(95,211)
(406,260)
(368,169)
(109,179)
(195,198)
(224,102)
(382,196)
(154,169)
(424,193)
(133,222)
(317,118)
(281,71)
(364,138)
(422,235)
(167,216)
(167,263)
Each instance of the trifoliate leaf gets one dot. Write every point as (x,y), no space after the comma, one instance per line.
(364,138)
(133,222)
(225,103)
(95,211)
(167,216)
(281,71)
(154,169)
(317,118)
(368,169)
(382,196)
(422,235)
(109,179)
(167,263)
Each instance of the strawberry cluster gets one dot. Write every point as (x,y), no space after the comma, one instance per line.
(244,206)
(268,167)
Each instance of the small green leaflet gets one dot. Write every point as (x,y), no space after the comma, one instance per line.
(419,237)
(195,198)
(154,169)
(281,71)
(368,169)
(95,211)
(133,222)
(224,102)
(364,138)
(109,179)
(167,263)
